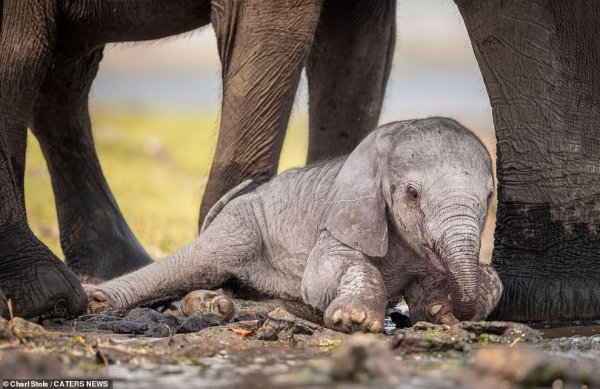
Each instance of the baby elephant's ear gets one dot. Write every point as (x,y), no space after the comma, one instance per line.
(354,209)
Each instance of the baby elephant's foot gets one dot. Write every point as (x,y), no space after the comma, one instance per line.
(441,314)
(352,315)
(210,301)
(99,299)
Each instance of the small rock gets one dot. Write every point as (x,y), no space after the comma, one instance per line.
(244,315)
(249,325)
(427,337)
(160,330)
(124,327)
(281,320)
(199,322)
(260,310)
(507,332)
(138,321)
(410,341)
(104,316)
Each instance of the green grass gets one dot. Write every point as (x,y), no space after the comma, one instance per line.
(157,165)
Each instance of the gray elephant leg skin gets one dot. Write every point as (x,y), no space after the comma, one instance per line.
(341,282)
(546,118)
(263,45)
(348,69)
(347,235)
(30,275)
(97,242)
(34,280)
(218,255)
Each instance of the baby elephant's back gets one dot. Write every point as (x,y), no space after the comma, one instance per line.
(290,208)
(243,188)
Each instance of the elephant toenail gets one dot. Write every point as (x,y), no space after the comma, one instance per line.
(358,316)
(376,327)
(449,319)
(435,309)
(226,308)
(60,308)
(337,317)
(99,296)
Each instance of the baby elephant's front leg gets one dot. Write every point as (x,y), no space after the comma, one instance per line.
(344,284)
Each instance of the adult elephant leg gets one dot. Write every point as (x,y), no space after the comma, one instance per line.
(89,24)
(263,45)
(348,69)
(539,60)
(31,276)
(97,242)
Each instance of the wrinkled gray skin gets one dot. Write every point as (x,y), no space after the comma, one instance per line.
(402,214)
(49,55)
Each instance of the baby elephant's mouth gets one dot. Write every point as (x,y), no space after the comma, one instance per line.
(435,260)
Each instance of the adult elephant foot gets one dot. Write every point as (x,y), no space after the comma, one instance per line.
(539,60)
(96,240)
(36,282)
(103,248)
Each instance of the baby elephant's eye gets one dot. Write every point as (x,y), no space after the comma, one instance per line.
(412,192)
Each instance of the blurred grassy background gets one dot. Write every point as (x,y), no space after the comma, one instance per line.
(157,165)
(155,116)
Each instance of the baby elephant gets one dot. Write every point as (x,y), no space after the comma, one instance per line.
(400,216)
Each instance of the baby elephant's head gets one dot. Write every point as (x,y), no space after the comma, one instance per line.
(428,181)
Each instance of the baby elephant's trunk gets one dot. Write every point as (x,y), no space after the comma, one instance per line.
(458,249)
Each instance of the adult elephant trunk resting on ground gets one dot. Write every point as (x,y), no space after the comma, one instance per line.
(49,55)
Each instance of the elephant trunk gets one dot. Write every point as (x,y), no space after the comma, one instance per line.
(457,249)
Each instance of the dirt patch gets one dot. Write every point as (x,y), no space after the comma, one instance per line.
(283,350)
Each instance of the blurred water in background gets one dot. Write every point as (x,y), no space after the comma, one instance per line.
(411,93)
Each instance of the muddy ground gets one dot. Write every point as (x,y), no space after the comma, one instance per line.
(145,348)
